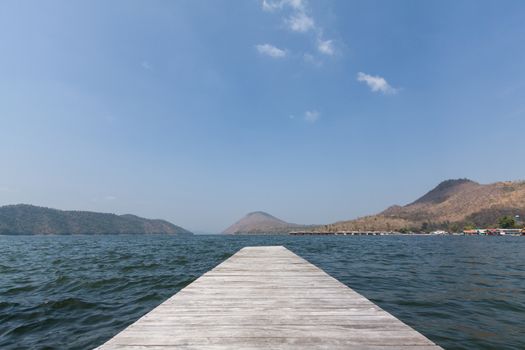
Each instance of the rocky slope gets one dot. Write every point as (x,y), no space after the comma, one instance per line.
(451,205)
(28,219)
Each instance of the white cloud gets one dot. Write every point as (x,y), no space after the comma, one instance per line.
(326,47)
(300,22)
(268,5)
(110,198)
(272,5)
(270,50)
(298,17)
(311,116)
(296,4)
(376,83)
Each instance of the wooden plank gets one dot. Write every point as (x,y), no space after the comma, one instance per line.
(268,298)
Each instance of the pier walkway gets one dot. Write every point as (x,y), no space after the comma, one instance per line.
(268,298)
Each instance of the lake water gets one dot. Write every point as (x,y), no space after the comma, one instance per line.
(75,292)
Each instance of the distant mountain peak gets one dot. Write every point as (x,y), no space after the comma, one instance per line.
(444,190)
(262,213)
(260,222)
(454,182)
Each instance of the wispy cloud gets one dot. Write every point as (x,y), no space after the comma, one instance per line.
(270,50)
(110,198)
(5,189)
(326,47)
(300,22)
(272,5)
(311,116)
(269,5)
(376,83)
(298,18)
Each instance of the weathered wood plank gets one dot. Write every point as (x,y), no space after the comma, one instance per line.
(268,298)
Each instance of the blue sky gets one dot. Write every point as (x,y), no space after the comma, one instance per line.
(201,111)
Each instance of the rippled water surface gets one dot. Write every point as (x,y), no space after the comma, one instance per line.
(75,292)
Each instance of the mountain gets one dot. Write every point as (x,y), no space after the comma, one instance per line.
(451,205)
(261,223)
(32,220)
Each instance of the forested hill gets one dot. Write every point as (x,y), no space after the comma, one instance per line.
(23,219)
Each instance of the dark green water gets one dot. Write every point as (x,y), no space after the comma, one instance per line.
(75,292)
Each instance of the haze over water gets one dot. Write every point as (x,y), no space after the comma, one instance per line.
(76,292)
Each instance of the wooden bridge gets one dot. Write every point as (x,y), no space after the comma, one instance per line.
(268,298)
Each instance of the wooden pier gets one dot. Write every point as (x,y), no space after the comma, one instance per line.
(268,298)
